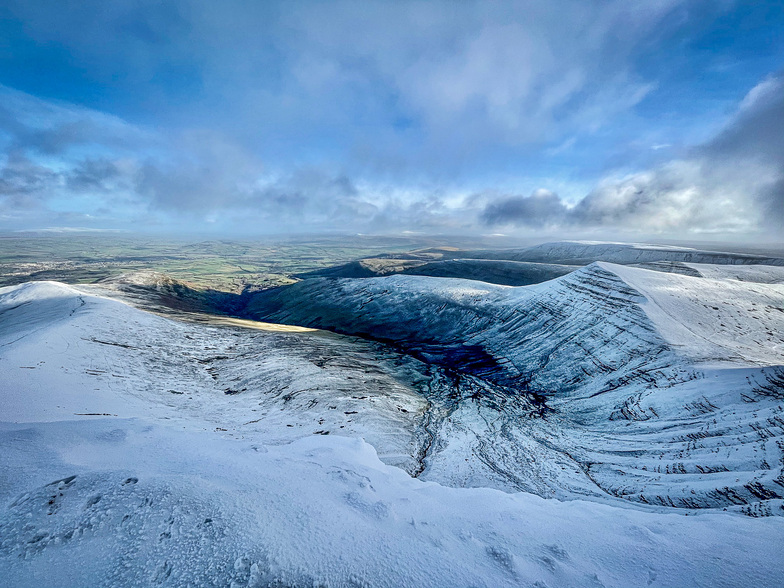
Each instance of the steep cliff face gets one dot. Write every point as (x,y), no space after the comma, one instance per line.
(656,387)
(577,336)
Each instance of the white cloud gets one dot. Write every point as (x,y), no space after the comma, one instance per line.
(771,88)
(732,184)
(485,72)
(388,87)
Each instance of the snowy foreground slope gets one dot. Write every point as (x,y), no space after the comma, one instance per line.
(67,354)
(138,450)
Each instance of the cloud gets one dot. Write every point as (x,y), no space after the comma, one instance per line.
(312,196)
(62,162)
(119,173)
(20,177)
(75,230)
(52,128)
(374,116)
(486,72)
(455,78)
(680,196)
(540,209)
(733,183)
(96,175)
(756,138)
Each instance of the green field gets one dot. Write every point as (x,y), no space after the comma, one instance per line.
(230,266)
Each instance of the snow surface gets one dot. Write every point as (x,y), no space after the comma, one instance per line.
(650,397)
(182,478)
(150,505)
(765,274)
(714,319)
(65,353)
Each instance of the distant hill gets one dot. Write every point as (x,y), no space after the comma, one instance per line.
(508,273)
(583,253)
(533,265)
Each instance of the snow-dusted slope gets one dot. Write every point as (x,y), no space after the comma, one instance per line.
(662,388)
(495,271)
(523,334)
(722,320)
(764,274)
(65,354)
(138,450)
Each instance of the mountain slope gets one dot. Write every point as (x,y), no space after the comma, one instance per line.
(507,273)
(66,353)
(120,503)
(149,451)
(658,387)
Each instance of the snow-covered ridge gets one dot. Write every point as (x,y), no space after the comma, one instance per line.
(584,252)
(52,301)
(494,271)
(651,376)
(702,319)
(713,319)
(533,265)
(764,274)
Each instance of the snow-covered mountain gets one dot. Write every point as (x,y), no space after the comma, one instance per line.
(495,271)
(142,450)
(67,352)
(654,387)
(533,265)
(585,252)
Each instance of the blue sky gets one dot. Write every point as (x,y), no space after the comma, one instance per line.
(555,118)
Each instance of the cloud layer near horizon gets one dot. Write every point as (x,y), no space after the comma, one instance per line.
(732,183)
(549,117)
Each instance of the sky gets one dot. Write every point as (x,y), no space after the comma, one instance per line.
(558,118)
